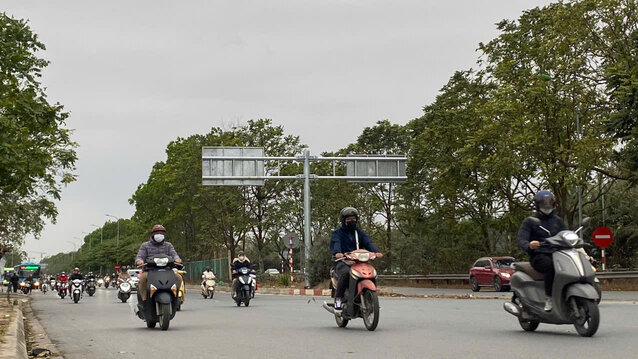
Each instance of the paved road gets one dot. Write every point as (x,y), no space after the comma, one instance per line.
(290,327)
(629,296)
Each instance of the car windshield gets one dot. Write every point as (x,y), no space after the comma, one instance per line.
(503,263)
(133,273)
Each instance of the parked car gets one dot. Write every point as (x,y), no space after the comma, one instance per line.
(272,272)
(492,272)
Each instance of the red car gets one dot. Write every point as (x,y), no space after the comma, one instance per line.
(492,272)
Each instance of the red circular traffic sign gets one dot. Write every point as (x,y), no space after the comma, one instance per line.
(117,267)
(602,236)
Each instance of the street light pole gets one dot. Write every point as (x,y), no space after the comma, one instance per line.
(74,250)
(117,243)
(101,239)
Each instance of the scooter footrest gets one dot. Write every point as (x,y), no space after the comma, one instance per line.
(330,304)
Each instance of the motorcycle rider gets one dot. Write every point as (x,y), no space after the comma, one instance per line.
(155,245)
(14,281)
(207,275)
(530,237)
(77,275)
(238,263)
(344,240)
(123,274)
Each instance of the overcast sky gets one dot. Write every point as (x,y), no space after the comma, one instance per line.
(137,74)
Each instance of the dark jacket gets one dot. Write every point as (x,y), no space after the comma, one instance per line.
(531,232)
(151,248)
(343,241)
(76,276)
(237,264)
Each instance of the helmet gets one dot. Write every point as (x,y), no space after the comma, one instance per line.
(241,253)
(207,269)
(62,273)
(158,228)
(544,202)
(76,269)
(348,212)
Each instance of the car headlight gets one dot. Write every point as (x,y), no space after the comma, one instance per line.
(505,275)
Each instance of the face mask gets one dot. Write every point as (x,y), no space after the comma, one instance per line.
(159,238)
(547,211)
(241,258)
(351,226)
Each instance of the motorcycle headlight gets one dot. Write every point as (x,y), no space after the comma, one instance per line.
(160,262)
(22,284)
(505,275)
(363,257)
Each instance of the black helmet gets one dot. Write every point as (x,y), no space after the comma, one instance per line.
(241,253)
(207,269)
(348,212)
(544,202)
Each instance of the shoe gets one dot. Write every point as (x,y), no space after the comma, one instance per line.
(548,304)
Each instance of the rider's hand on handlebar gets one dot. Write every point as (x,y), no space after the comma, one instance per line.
(178,261)
(339,255)
(379,255)
(534,244)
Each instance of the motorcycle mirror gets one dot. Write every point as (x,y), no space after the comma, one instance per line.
(586,221)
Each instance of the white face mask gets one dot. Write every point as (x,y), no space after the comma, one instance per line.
(159,238)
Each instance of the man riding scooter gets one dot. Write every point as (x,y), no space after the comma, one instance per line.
(154,246)
(347,238)
(240,262)
(530,237)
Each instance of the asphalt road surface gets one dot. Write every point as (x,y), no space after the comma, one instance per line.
(292,327)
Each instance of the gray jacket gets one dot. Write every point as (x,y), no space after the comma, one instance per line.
(151,248)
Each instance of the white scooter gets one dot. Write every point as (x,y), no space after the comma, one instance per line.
(124,290)
(208,288)
(76,290)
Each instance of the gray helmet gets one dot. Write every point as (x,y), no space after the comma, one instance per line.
(348,212)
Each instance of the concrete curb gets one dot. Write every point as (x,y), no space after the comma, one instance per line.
(16,341)
(275,291)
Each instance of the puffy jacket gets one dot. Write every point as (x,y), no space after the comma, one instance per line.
(151,248)
(343,241)
(531,232)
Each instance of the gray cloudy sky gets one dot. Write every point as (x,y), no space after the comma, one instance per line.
(137,74)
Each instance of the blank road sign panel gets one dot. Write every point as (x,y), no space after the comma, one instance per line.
(393,170)
(230,167)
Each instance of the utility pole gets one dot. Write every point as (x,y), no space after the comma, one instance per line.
(117,243)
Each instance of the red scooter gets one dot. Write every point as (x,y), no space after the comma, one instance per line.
(63,288)
(361,299)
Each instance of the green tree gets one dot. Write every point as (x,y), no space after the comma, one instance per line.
(37,155)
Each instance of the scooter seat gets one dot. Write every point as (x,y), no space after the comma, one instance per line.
(526,268)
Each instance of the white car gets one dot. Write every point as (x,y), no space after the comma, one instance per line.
(134,279)
(271,272)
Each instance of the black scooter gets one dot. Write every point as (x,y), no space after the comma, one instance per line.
(574,294)
(91,286)
(161,289)
(244,290)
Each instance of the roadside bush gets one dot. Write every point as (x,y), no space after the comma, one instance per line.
(320,261)
(283,280)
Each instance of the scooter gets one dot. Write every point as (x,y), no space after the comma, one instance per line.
(63,288)
(208,288)
(44,287)
(124,290)
(25,285)
(361,299)
(244,290)
(181,294)
(161,303)
(100,282)
(107,281)
(76,290)
(53,284)
(574,294)
(90,286)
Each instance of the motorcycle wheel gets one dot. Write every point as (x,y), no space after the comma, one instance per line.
(165,318)
(588,326)
(211,293)
(527,325)
(371,314)
(151,324)
(341,321)
(246,298)
(124,299)
(76,298)
(498,285)
(204,295)
(474,284)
